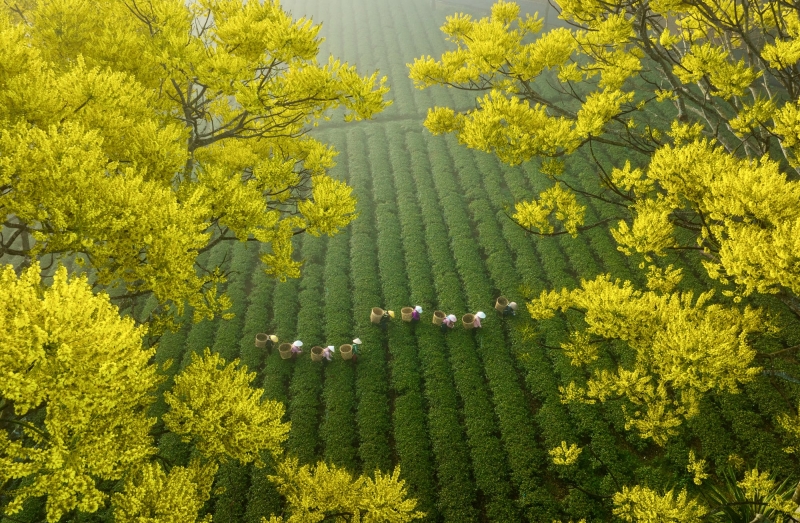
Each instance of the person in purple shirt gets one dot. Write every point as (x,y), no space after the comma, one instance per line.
(415,314)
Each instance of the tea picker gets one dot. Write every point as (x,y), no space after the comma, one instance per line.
(387,315)
(415,314)
(480,315)
(327,352)
(272,341)
(356,348)
(266,341)
(380,317)
(448,323)
(511,309)
(297,347)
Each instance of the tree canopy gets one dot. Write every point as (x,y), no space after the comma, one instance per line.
(136,136)
(687,111)
(75,386)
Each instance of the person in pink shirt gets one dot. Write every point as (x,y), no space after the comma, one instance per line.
(480,315)
(327,352)
(296,348)
(448,323)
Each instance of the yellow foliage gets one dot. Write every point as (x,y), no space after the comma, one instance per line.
(149,142)
(760,487)
(729,193)
(598,109)
(152,496)
(565,455)
(554,204)
(663,280)
(77,381)
(213,406)
(751,216)
(509,127)
(631,180)
(651,232)
(697,468)
(643,505)
(756,484)
(315,492)
(729,79)
(75,387)
(684,347)
(579,349)
(330,207)
(757,115)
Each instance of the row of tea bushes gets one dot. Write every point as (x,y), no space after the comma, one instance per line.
(490,463)
(525,458)
(456,487)
(338,427)
(372,390)
(554,420)
(262,497)
(279,316)
(411,441)
(305,388)
(232,482)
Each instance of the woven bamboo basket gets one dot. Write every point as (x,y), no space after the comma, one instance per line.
(316,353)
(467,320)
(261,340)
(346,351)
(285,350)
(406,312)
(438,317)
(376,315)
(501,304)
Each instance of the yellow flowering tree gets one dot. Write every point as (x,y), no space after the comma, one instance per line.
(687,112)
(137,135)
(75,386)
(693,104)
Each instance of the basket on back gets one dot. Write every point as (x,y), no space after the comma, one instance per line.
(468,320)
(376,315)
(285,350)
(501,304)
